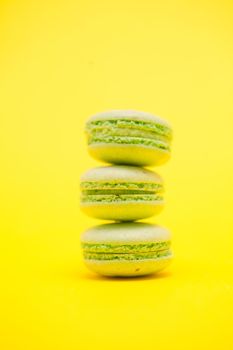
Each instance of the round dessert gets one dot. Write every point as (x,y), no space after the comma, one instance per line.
(129,137)
(126,249)
(121,193)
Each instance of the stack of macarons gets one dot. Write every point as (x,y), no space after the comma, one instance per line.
(125,192)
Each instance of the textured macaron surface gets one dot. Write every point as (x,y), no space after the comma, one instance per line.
(129,241)
(129,128)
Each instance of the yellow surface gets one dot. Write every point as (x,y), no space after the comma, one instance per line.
(60,62)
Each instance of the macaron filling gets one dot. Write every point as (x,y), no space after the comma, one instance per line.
(97,125)
(128,256)
(120,192)
(120,198)
(126,248)
(129,132)
(127,140)
(138,186)
(104,132)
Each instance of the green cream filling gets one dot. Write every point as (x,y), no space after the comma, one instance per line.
(143,186)
(113,198)
(98,192)
(106,131)
(128,141)
(132,124)
(129,256)
(108,192)
(125,248)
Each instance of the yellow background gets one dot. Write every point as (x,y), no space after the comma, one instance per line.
(60,62)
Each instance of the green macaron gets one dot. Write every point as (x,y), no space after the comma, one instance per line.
(126,249)
(129,137)
(121,193)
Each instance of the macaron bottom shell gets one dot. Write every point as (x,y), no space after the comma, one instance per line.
(128,268)
(128,211)
(129,154)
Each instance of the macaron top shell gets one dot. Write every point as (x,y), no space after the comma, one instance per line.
(125,233)
(130,115)
(121,173)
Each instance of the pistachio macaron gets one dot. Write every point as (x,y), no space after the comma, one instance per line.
(126,249)
(121,193)
(129,137)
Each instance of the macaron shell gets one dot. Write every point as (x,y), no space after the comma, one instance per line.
(129,115)
(128,268)
(122,211)
(126,233)
(128,154)
(121,173)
